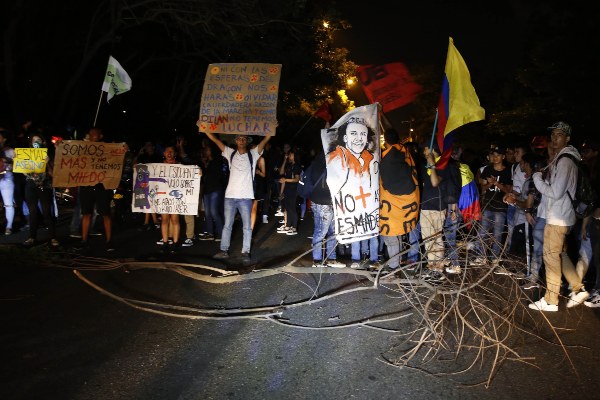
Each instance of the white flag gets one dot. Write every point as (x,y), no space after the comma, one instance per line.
(116,80)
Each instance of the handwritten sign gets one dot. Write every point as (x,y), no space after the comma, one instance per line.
(30,160)
(352,154)
(240,99)
(82,163)
(166,188)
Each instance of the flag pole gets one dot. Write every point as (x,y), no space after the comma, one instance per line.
(98,109)
(299,130)
(434,128)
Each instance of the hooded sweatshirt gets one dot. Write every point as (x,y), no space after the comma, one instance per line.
(561,177)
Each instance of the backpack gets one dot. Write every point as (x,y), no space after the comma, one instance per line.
(585,196)
(305,184)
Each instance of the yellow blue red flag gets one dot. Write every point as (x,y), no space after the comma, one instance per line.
(458,103)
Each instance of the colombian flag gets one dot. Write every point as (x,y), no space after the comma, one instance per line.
(468,202)
(458,104)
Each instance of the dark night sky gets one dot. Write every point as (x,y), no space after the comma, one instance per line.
(489,39)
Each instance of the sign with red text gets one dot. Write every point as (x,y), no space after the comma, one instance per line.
(30,160)
(166,188)
(83,163)
(240,99)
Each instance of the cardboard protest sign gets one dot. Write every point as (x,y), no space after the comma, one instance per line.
(30,160)
(352,154)
(166,188)
(82,163)
(240,99)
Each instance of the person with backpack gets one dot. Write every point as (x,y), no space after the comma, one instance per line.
(560,218)
(239,193)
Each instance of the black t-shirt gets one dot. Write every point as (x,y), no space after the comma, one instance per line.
(492,197)
(291,171)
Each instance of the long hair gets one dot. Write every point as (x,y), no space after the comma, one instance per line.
(371,145)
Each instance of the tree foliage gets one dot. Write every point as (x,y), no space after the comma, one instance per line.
(55,56)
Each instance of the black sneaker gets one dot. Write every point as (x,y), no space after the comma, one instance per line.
(109,246)
(432,276)
(246,257)
(83,245)
(221,255)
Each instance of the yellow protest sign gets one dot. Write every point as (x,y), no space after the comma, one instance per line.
(30,160)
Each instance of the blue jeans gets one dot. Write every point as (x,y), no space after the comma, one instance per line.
(510,223)
(367,246)
(492,221)
(414,241)
(213,208)
(7,189)
(232,206)
(450,229)
(323,229)
(538,246)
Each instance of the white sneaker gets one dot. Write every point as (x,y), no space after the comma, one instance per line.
(319,264)
(187,243)
(577,298)
(279,213)
(335,264)
(282,229)
(355,265)
(453,269)
(291,231)
(593,301)
(265,219)
(541,305)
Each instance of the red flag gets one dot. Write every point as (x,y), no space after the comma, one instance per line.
(324,112)
(389,84)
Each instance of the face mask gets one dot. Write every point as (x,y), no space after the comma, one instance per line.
(37,145)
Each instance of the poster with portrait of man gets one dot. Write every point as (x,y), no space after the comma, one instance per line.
(352,154)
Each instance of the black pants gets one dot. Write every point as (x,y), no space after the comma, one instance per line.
(290,204)
(44,196)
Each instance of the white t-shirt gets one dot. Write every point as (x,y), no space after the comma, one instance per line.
(241,175)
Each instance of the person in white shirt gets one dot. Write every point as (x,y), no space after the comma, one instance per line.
(239,194)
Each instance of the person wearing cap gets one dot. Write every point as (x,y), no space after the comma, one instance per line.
(239,193)
(560,217)
(495,181)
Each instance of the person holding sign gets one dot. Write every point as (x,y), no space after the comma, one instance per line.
(38,189)
(170,222)
(239,193)
(97,196)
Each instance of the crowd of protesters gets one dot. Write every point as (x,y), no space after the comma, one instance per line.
(523,193)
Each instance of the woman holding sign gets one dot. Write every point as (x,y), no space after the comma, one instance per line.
(170,156)
(38,190)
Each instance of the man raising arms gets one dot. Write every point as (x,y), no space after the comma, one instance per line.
(240,192)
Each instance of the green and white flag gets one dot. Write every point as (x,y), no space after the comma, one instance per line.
(116,80)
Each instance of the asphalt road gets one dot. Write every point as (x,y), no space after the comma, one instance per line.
(142,329)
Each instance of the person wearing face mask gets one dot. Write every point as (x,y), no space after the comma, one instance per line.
(38,190)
